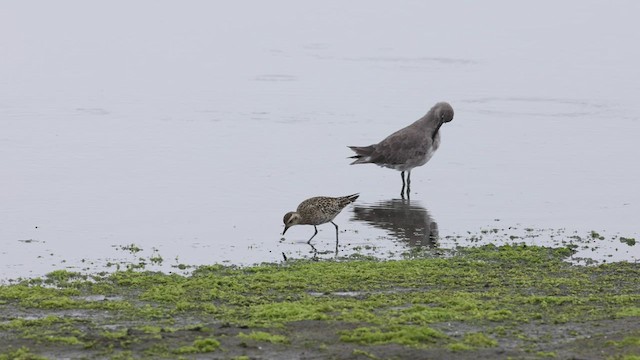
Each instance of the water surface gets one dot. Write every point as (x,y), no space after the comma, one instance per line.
(192,128)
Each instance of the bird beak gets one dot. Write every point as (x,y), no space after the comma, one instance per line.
(285,229)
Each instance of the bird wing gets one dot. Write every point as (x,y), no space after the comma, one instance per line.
(401,146)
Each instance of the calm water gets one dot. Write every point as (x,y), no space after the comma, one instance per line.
(190,129)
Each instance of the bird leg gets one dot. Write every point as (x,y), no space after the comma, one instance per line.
(334,224)
(408,183)
(314,234)
(402,190)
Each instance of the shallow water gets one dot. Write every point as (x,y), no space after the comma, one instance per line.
(192,129)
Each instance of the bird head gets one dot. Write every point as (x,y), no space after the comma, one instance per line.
(290,219)
(443,112)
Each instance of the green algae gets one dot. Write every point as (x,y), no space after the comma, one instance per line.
(365,354)
(479,340)
(408,335)
(22,353)
(546,354)
(28,323)
(627,341)
(458,346)
(264,336)
(628,346)
(472,341)
(628,241)
(66,340)
(199,346)
(492,290)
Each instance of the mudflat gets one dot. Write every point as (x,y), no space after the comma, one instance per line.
(511,301)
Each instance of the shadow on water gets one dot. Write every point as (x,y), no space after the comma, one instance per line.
(316,253)
(403,219)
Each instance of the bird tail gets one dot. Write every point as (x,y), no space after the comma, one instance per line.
(346,200)
(363,154)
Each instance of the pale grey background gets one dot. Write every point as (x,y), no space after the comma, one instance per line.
(192,127)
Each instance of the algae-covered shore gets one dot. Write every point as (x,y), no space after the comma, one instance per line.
(512,301)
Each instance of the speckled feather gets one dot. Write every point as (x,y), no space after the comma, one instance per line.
(316,211)
(322,209)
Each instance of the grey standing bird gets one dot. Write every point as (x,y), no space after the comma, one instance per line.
(316,211)
(408,147)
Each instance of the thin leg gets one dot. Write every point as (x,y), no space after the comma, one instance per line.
(314,234)
(334,224)
(314,251)
(408,182)
(402,191)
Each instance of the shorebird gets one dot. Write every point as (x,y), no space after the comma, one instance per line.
(408,147)
(316,211)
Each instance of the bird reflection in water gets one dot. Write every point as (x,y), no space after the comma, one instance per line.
(315,251)
(405,220)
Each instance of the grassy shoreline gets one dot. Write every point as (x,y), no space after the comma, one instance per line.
(510,301)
